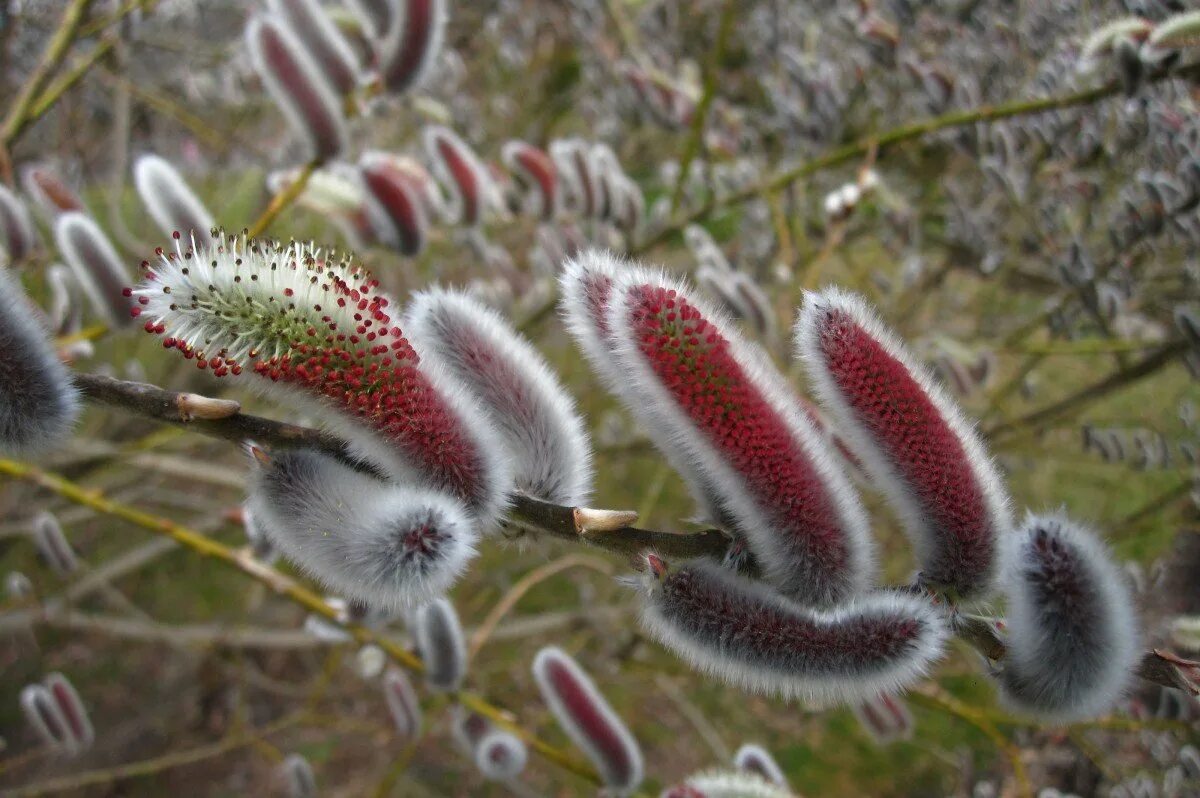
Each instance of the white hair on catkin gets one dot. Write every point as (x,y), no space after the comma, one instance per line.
(755,759)
(1073,638)
(278,316)
(439,638)
(722,404)
(412,43)
(513,383)
(589,720)
(500,755)
(38,401)
(299,87)
(911,438)
(382,544)
(585,287)
(727,784)
(402,702)
(18,236)
(747,635)
(96,265)
(169,200)
(320,35)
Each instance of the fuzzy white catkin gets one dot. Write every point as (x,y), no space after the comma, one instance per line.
(168,198)
(384,545)
(1073,638)
(38,402)
(440,642)
(514,385)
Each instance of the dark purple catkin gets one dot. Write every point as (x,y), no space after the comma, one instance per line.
(298,86)
(885,718)
(589,720)
(402,702)
(96,265)
(1072,633)
(911,438)
(38,402)
(18,236)
(414,38)
(439,638)
(58,716)
(746,634)
(322,39)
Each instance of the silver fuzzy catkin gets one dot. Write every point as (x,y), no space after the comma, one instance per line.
(384,545)
(1072,633)
(169,200)
(440,642)
(514,385)
(96,265)
(747,635)
(38,402)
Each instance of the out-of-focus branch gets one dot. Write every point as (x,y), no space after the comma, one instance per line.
(606,529)
(284,586)
(900,135)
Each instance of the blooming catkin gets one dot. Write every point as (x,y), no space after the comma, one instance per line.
(384,545)
(168,199)
(95,264)
(727,409)
(516,388)
(744,633)
(589,720)
(38,402)
(439,638)
(301,89)
(911,438)
(1072,633)
(312,328)
(412,43)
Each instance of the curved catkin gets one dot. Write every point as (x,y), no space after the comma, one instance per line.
(52,544)
(755,759)
(45,717)
(38,401)
(589,720)
(18,236)
(535,172)
(726,784)
(586,287)
(385,545)
(169,200)
(911,439)
(514,385)
(439,638)
(747,635)
(298,86)
(298,777)
(77,722)
(413,42)
(322,39)
(1073,636)
(885,718)
(402,702)
(460,171)
(727,409)
(312,328)
(400,198)
(95,264)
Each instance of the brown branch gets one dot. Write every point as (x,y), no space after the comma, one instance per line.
(603,529)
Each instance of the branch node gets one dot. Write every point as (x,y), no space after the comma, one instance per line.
(588,520)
